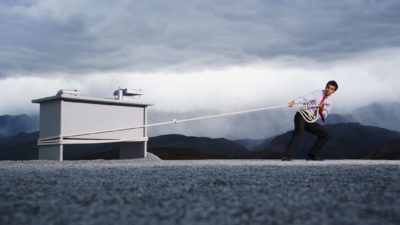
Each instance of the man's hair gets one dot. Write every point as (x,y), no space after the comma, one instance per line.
(333,83)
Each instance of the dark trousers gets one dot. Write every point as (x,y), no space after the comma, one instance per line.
(299,126)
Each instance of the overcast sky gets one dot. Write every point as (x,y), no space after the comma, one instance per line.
(199,55)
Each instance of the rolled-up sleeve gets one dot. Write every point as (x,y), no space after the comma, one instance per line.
(327,109)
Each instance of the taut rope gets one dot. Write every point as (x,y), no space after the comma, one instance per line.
(57,140)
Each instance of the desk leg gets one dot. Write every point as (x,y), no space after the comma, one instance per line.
(51,152)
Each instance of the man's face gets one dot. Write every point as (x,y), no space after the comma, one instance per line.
(329,89)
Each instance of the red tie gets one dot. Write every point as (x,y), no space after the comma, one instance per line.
(320,110)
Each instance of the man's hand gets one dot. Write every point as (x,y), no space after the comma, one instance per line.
(321,106)
(291,103)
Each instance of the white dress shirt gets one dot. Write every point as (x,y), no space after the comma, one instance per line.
(310,104)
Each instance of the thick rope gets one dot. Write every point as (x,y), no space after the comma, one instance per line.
(56,140)
(62,141)
(307,116)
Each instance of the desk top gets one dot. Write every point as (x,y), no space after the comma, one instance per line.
(83,99)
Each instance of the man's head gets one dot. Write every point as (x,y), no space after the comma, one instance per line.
(331,87)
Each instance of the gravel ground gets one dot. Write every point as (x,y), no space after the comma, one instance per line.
(152,191)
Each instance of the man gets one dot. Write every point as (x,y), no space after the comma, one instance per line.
(314,106)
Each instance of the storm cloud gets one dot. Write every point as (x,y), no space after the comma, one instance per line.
(195,58)
(45,37)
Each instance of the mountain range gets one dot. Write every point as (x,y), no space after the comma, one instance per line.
(349,140)
(256,125)
(11,125)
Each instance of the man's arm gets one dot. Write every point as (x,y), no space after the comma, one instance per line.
(302,99)
(326,108)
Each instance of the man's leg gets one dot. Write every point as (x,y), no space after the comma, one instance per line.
(322,134)
(299,124)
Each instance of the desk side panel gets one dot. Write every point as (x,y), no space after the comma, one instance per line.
(80,117)
(49,120)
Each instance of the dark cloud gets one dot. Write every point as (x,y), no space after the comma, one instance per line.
(75,37)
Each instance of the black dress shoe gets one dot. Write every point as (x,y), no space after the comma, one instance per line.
(286,158)
(312,157)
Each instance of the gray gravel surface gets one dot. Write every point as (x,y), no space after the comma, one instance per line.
(152,191)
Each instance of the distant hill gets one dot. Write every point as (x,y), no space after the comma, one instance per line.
(339,118)
(348,141)
(184,153)
(201,146)
(12,125)
(383,114)
(250,144)
(387,151)
(19,147)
